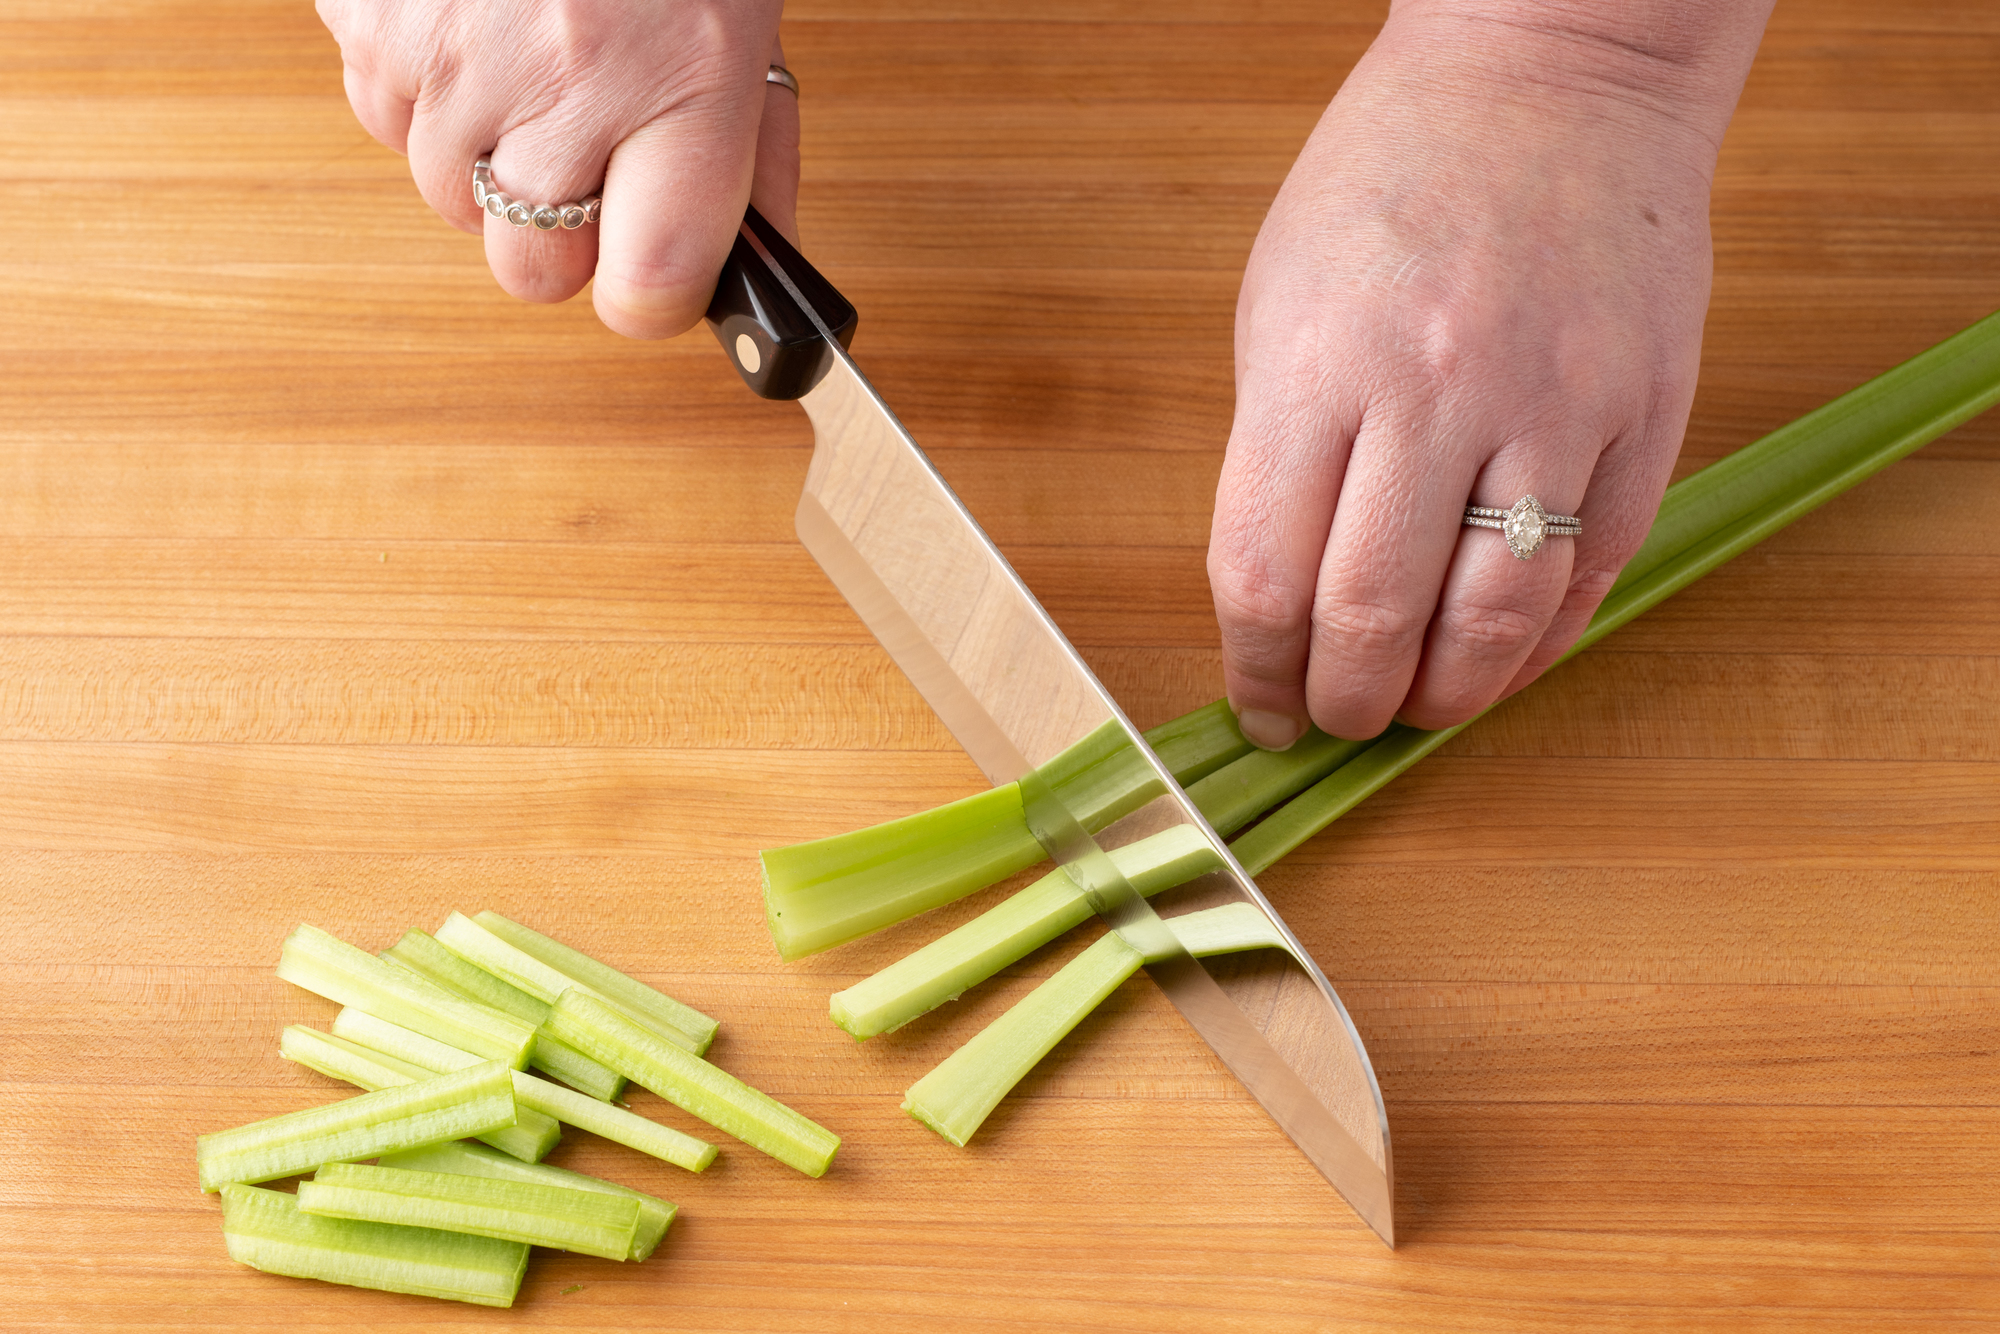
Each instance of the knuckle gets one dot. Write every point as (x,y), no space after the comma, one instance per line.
(1260,611)
(1365,628)
(1493,631)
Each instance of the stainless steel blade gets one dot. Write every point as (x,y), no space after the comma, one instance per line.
(956,617)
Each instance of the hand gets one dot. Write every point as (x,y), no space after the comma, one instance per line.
(665,104)
(1484,278)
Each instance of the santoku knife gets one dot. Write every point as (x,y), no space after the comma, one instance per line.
(950,610)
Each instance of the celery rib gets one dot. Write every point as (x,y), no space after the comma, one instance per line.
(609,1035)
(587,1222)
(518,968)
(655,1215)
(618,1124)
(458,1105)
(266,1230)
(603,979)
(530,1138)
(421,954)
(330,967)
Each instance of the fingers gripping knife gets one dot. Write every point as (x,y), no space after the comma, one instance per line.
(940,597)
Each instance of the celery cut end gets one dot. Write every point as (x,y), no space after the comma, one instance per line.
(936,1122)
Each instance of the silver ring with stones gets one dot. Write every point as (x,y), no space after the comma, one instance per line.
(542,217)
(783,77)
(1525,525)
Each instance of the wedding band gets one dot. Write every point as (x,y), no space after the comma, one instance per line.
(1525,525)
(783,77)
(542,217)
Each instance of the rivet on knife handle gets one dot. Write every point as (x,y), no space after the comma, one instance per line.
(756,314)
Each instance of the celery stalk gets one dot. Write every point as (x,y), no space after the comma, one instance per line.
(334,969)
(942,970)
(823,893)
(608,1034)
(587,1222)
(465,1102)
(421,954)
(518,968)
(957,1096)
(1705,520)
(603,979)
(531,1136)
(538,1096)
(655,1215)
(266,1230)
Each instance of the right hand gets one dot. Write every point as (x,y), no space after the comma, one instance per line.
(664,104)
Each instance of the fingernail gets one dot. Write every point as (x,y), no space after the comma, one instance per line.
(1268,731)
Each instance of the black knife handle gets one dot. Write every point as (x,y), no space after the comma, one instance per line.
(771,339)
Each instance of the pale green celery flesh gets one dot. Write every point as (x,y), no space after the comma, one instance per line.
(655,1214)
(453,1106)
(405,1044)
(518,968)
(602,978)
(957,1096)
(1244,789)
(330,967)
(1705,520)
(266,1230)
(829,891)
(530,1138)
(942,970)
(420,952)
(692,1084)
(614,1123)
(587,1222)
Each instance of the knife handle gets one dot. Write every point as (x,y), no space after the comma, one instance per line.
(766,327)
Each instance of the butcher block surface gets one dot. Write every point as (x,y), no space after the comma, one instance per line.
(336,586)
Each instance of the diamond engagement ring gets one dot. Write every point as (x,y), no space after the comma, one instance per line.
(542,217)
(1525,525)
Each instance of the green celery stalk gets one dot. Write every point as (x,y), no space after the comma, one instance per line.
(617,1124)
(957,1096)
(530,1138)
(655,1214)
(608,1034)
(587,1222)
(266,1230)
(1229,797)
(603,979)
(453,1106)
(942,970)
(1705,520)
(330,967)
(421,954)
(518,968)
(828,891)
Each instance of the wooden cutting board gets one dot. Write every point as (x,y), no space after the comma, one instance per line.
(340,588)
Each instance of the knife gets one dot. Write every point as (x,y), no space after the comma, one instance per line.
(954,615)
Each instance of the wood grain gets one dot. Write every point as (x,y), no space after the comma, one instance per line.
(340,588)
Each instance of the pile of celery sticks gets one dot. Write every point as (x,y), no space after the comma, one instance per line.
(830,891)
(441,1029)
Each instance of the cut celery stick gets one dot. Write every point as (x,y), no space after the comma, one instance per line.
(532,1135)
(334,969)
(603,979)
(534,1095)
(655,1214)
(957,1096)
(587,1222)
(943,969)
(266,1230)
(421,954)
(613,1123)
(692,1084)
(453,1106)
(521,969)
(831,890)
(1244,789)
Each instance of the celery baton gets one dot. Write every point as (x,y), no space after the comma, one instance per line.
(473,1160)
(692,1084)
(585,1221)
(603,979)
(454,1106)
(266,1230)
